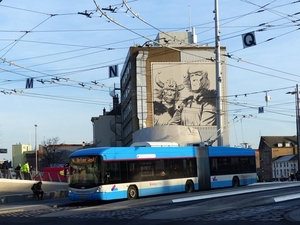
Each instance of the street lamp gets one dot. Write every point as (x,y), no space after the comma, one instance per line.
(296,93)
(36,161)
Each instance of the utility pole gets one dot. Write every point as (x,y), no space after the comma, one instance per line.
(298,124)
(296,93)
(218,78)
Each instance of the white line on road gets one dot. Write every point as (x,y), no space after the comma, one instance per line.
(286,197)
(231,193)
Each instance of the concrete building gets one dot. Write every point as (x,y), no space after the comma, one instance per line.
(107,130)
(284,166)
(19,152)
(272,147)
(158,99)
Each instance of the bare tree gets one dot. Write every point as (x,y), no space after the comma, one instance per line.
(51,152)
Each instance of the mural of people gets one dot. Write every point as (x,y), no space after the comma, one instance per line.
(199,108)
(167,94)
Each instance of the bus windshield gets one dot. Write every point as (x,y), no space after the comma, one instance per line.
(84,171)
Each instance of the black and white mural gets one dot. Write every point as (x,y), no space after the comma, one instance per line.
(184,94)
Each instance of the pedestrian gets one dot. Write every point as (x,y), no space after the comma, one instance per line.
(298,176)
(30,169)
(17,170)
(25,171)
(4,169)
(37,190)
(292,177)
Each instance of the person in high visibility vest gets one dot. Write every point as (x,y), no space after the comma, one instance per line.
(25,171)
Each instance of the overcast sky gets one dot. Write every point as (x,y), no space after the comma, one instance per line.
(64,46)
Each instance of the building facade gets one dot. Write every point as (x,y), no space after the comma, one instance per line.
(172,89)
(272,147)
(107,130)
(19,152)
(284,166)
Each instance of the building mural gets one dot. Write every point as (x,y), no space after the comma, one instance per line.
(184,94)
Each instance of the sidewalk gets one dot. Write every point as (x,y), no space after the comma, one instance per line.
(31,205)
(26,197)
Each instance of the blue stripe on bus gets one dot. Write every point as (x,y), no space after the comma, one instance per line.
(229,151)
(127,153)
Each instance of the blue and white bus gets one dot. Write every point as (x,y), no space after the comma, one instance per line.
(108,173)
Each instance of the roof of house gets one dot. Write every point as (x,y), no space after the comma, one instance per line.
(272,141)
(285,158)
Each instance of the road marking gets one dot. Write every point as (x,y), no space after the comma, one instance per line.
(286,197)
(231,193)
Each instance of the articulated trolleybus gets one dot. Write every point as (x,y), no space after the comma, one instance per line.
(108,173)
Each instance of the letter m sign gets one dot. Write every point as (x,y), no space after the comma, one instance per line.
(29,83)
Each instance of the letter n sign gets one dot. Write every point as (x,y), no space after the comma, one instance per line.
(113,71)
(29,83)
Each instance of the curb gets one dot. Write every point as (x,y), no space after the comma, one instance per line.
(4,211)
(7,199)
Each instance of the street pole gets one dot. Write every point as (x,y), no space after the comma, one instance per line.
(296,93)
(36,161)
(298,124)
(218,78)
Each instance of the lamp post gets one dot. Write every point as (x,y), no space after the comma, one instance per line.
(296,93)
(36,161)
(219,91)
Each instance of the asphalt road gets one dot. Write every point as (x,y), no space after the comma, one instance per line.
(259,215)
(248,208)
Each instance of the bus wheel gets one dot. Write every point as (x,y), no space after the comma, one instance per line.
(189,186)
(132,193)
(235,182)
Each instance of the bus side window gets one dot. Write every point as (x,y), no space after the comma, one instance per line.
(147,170)
(133,171)
(189,167)
(176,168)
(107,177)
(161,171)
(112,172)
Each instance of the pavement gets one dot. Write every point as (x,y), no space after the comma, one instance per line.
(15,191)
(25,202)
(31,205)
(26,197)
(10,203)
